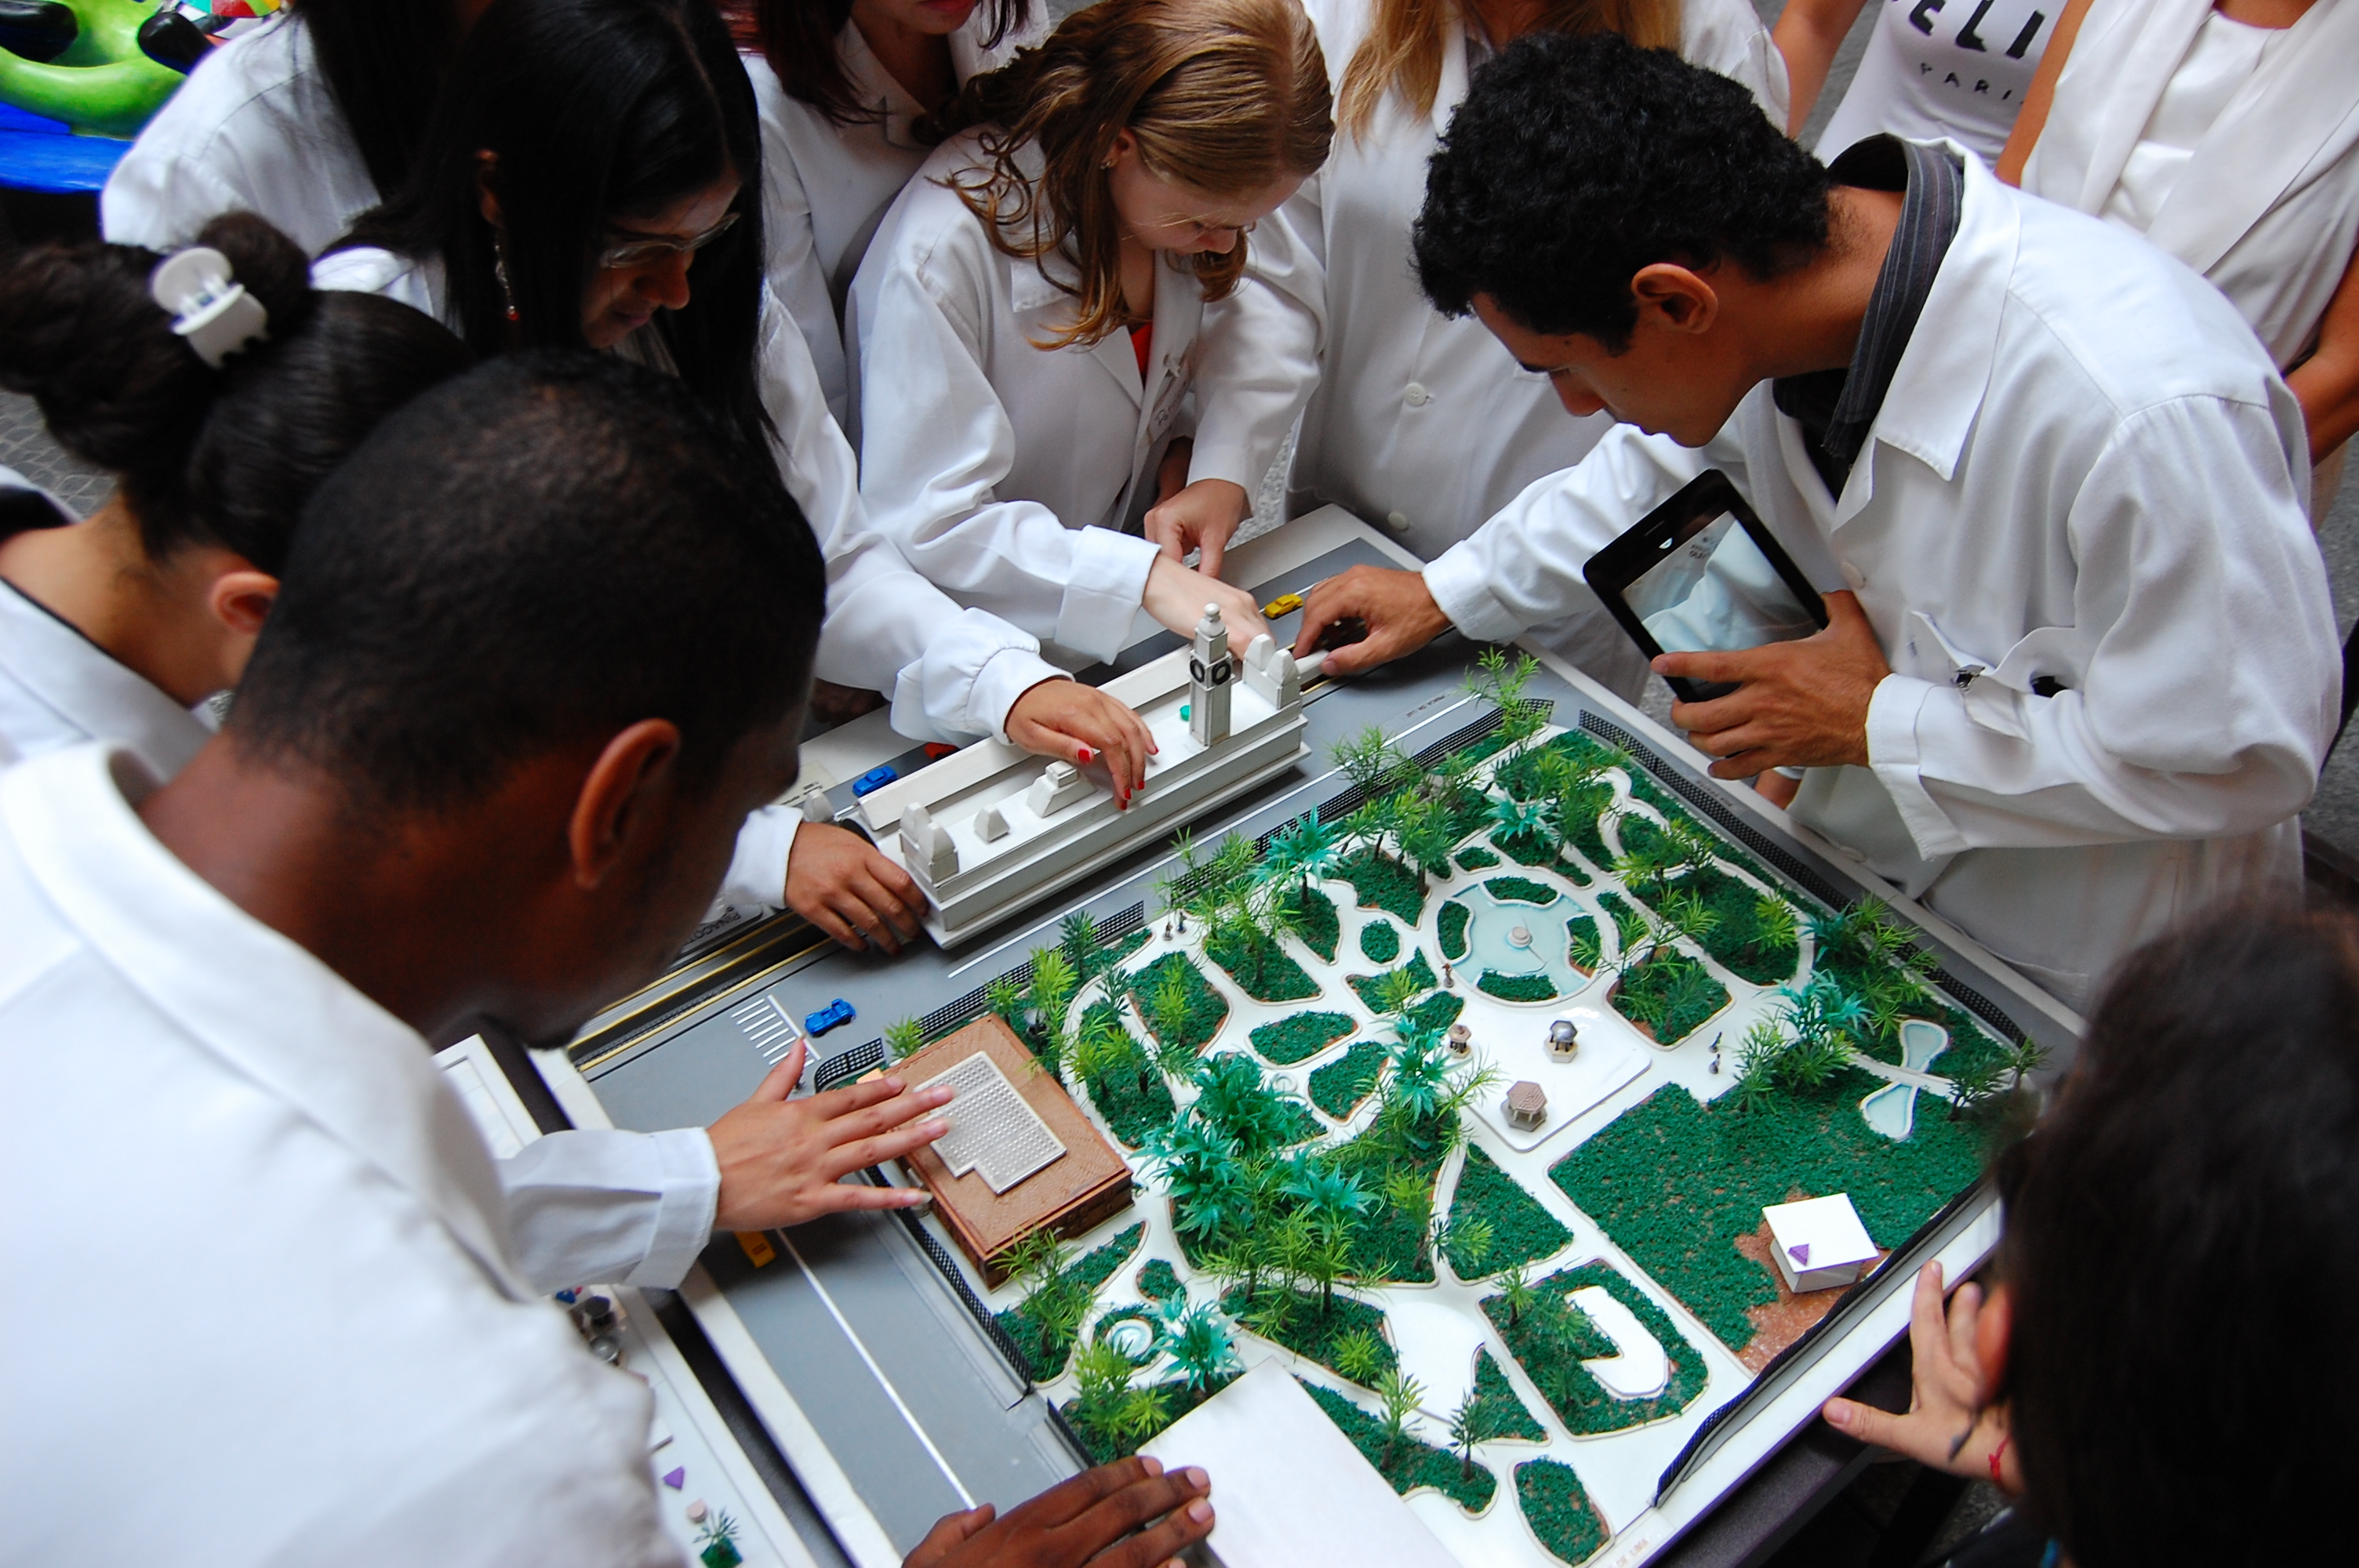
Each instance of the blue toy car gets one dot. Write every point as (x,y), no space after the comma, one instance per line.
(835,1015)
(874,779)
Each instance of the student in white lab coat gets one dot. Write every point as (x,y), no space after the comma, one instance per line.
(2081,666)
(1032,313)
(2229,136)
(113,628)
(119,626)
(305,118)
(841,84)
(236,973)
(1412,420)
(541,216)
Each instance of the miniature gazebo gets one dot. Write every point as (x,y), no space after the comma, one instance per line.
(1527,1104)
(1462,1040)
(1563,1041)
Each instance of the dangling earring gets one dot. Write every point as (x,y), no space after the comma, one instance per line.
(500,271)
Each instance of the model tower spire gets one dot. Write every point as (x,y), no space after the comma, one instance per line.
(1209,675)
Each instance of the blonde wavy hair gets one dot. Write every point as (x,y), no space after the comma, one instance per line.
(1404,43)
(1224,97)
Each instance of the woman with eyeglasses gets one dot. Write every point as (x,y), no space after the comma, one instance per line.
(591,180)
(1034,310)
(841,85)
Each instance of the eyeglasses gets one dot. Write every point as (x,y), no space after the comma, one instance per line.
(641,251)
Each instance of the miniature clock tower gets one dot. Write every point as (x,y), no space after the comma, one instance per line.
(1210,671)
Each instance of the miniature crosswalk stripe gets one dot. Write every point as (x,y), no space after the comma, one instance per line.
(768,1025)
(758,1251)
(992,1126)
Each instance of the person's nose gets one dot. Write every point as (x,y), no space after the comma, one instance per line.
(1577,402)
(665,284)
(1220,242)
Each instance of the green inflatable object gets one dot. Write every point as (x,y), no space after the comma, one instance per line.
(103,84)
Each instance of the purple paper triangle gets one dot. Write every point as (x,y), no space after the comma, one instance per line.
(677,1478)
(1799,1252)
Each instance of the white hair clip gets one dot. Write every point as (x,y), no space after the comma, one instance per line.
(210,308)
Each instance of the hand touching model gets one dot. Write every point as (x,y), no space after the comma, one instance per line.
(1205,515)
(1400,615)
(1953,1423)
(849,888)
(1083,1523)
(783,1162)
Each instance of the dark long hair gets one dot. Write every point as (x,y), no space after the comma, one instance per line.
(2179,1243)
(596,110)
(384,63)
(797,39)
(224,457)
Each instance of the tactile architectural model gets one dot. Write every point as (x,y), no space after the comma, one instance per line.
(1005,1171)
(991,829)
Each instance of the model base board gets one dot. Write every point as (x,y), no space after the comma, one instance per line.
(1517,1326)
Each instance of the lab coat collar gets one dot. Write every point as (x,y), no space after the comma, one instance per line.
(90,690)
(2148,58)
(875,87)
(1937,390)
(246,994)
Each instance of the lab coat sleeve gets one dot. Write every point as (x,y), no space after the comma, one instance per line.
(1261,346)
(631,1208)
(1522,567)
(935,441)
(953,673)
(159,200)
(757,870)
(796,278)
(2210,678)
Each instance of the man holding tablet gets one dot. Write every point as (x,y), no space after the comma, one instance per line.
(2080,667)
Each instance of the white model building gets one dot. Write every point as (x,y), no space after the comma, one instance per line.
(1818,1243)
(990,830)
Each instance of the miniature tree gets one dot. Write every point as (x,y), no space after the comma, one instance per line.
(2023,1056)
(1470,1239)
(1469,1425)
(1303,849)
(1534,820)
(904,1039)
(1972,1086)
(1079,934)
(1201,1347)
(1360,1356)
(1370,761)
(1773,925)
(1515,1289)
(1401,1395)
(1425,834)
(1209,1186)
(1328,1259)
(1585,945)
(1004,997)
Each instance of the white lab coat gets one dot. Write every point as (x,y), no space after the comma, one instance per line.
(254,129)
(1004,472)
(1410,420)
(2267,207)
(268,1309)
(2085,469)
(953,674)
(634,1207)
(825,186)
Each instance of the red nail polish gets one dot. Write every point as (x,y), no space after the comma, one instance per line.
(1086,756)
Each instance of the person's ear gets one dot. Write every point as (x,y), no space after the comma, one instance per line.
(1671,299)
(241,600)
(487,197)
(621,798)
(1994,1336)
(1125,144)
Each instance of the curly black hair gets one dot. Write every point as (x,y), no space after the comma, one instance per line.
(1576,161)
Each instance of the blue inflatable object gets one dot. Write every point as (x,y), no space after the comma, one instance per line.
(44,156)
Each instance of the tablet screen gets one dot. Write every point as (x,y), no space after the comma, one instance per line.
(1716,593)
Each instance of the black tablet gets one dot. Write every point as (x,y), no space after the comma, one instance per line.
(1701,574)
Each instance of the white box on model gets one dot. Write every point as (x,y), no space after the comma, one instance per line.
(1818,1243)
(990,830)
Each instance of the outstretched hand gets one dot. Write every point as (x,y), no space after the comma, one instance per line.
(783,1162)
(1081,724)
(1085,1522)
(1176,596)
(849,888)
(1204,515)
(1801,704)
(1951,1423)
(1399,613)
